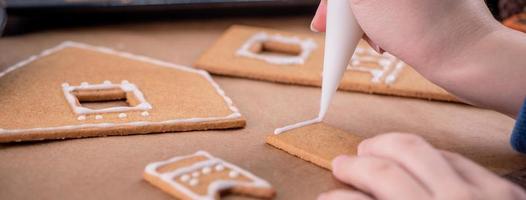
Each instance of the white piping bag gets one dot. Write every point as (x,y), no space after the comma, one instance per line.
(341,37)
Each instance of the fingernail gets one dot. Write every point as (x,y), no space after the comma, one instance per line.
(339,160)
(321,6)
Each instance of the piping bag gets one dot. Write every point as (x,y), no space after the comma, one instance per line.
(341,37)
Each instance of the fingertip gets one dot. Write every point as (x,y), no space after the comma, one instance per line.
(340,161)
(318,22)
(361,149)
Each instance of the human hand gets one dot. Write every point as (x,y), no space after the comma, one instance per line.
(404,166)
(420,32)
(457,45)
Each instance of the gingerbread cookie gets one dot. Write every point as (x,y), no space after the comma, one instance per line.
(277,56)
(202,176)
(317,143)
(76,90)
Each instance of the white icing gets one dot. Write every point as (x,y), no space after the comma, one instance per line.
(206,170)
(296,125)
(82,117)
(233,174)
(194,182)
(184,178)
(195,174)
(307,46)
(391,78)
(107,82)
(98,116)
(122,115)
(214,187)
(219,168)
(234,115)
(145,114)
(389,67)
(124,86)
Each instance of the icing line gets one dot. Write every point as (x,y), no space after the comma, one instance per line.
(386,62)
(124,86)
(296,125)
(235,112)
(307,46)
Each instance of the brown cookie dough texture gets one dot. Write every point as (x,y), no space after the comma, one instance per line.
(317,143)
(279,58)
(202,176)
(76,90)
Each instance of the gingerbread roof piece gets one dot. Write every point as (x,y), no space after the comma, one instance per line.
(76,90)
(202,176)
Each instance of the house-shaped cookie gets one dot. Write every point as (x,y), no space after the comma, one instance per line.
(76,90)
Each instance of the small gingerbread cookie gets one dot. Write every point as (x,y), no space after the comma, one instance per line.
(317,143)
(76,90)
(202,176)
(278,56)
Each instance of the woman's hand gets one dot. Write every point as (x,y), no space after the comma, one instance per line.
(420,32)
(404,166)
(457,45)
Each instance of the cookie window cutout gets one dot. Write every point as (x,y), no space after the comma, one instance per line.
(202,176)
(277,49)
(106,97)
(382,67)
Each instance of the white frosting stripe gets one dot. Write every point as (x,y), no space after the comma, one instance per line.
(124,86)
(386,62)
(296,125)
(307,46)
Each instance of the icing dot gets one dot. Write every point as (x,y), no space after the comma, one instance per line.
(195,174)
(107,82)
(219,168)
(194,182)
(233,174)
(98,116)
(82,117)
(122,115)
(145,114)
(206,170)
(184,178)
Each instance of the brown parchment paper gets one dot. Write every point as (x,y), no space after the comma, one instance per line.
(111,167)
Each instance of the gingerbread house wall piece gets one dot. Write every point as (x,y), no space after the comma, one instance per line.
(50,96)
(203,176)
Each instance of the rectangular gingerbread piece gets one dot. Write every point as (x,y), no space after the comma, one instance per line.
(204,177)
(317,143)
(76,90)
(297,58)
